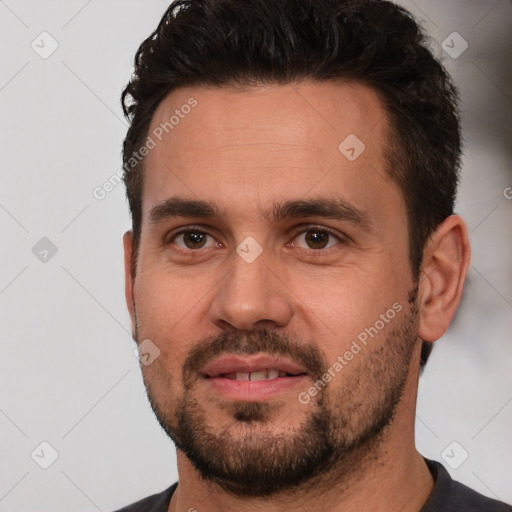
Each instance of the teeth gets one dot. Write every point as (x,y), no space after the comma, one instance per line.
(267,374)
(261,375)
(273,374)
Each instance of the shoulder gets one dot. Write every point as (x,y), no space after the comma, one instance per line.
(449,495)
(158,502)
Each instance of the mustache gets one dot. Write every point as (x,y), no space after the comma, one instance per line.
(255,342)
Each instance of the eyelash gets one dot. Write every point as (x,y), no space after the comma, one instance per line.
(197,229)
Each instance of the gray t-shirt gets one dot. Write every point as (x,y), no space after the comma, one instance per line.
(446,496)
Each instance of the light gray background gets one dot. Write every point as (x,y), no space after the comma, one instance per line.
(68,375)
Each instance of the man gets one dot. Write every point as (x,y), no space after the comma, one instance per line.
(291,170)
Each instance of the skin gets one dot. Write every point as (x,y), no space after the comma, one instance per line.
(245,150)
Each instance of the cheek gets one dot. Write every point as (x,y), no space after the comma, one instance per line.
(353,306)
(163,387)
(164,298)
(162,312)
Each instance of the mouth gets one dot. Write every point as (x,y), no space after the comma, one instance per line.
(264,374)
(252,378)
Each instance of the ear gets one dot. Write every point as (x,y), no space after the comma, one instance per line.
(128,276)
(445,265)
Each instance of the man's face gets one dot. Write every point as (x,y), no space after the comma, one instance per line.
(254,302)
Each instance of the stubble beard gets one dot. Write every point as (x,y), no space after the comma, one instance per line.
(254,455)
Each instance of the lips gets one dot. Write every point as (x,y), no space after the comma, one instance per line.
(252,378)
(252,368)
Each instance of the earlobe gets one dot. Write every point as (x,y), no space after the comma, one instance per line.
(128,276)
(446,260)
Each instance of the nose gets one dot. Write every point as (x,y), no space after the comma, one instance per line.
(251,296)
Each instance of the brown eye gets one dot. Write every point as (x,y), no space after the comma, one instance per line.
(194,239)
(191,239)
(317,239)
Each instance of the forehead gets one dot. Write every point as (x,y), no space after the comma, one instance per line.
(266,143)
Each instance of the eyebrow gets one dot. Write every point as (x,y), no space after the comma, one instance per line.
(325,207)
(180,207)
